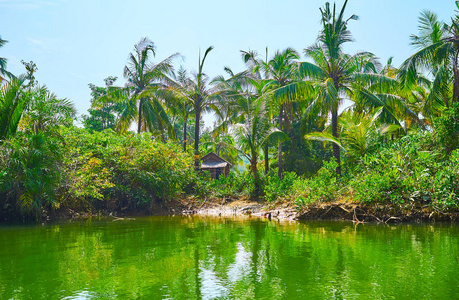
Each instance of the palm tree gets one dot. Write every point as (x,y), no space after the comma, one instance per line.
(3,60)
(199,96)
(144,78)
(223,145)
(359,133)
(280,84)
(439,53)
(177,95)
(332,71)
(45,112)
(13,104)
(254,133)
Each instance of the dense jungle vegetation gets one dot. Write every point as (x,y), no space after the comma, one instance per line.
(335,126)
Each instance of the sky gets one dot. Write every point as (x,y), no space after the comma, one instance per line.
(77,42)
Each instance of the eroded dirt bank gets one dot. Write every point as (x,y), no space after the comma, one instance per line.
(285,210)
(321,211)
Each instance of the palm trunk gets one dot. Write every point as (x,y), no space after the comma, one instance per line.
(336,150)
(253,166)
(184,131)
(139,125)
(279,147)
(266,152)
(196,139)
(455,80)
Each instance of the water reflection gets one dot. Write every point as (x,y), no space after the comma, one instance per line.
(202,258)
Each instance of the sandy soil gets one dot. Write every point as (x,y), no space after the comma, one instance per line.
(320,211)
(241,207)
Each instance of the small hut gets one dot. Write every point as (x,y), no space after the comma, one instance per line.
(215,165)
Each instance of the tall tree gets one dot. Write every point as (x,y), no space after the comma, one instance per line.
(144,78)
(13,104)
(254,133)
(178,97)
(3,61)
(331,70)
(439,53)
(282,87)
(105,106)
(200,96)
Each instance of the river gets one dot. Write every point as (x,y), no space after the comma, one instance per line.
(223,258)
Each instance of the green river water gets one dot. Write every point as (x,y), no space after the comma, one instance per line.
(212,258)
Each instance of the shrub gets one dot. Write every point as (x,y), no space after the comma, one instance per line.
(30,173)
(275,188)
(323,187)
(447,129)
(124,170)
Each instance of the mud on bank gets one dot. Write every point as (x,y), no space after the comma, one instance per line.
(280,210)
(322,211)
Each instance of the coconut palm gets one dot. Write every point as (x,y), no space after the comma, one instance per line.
(176,95)
(239,87)
(46,112)
(144,78)
(13,104)
(439,52)
(254,133)
(382,90)
(199,95)
(3,60)
(332,70)
(279,79)
(359,133)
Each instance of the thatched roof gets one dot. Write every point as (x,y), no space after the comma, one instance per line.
(213,161)
(213,165)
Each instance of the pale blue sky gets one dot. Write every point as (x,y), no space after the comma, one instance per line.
(76,42)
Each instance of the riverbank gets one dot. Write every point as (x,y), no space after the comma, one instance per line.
(277,210)
(343,211)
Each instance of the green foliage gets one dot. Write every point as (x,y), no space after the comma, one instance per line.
(447,129)
(99,120)
(407,171)
(82,170)
(124,171)
(235,185)
(323,187)
(12,106)
(45,112)
(30,173)
(275,188)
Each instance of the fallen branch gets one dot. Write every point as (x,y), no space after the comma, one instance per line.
(392,218)
(344,209)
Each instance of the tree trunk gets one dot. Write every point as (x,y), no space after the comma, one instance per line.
(253,166)
(139,125)
(266,152)
(336,149)
(279,147)
(184,131)
(455,80)
(196,139)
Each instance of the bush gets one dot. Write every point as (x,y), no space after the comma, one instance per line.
(30,173)
(126,171)
(406,171)
(447,129)
(275,188)
(235,185)
(323,187)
